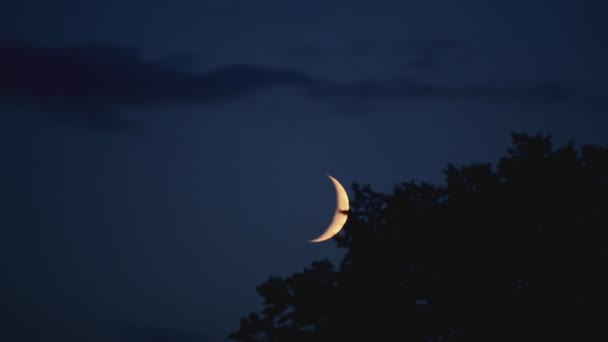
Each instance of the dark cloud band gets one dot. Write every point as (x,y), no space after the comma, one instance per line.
(90,83)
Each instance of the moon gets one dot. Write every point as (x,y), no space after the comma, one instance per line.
(340,215)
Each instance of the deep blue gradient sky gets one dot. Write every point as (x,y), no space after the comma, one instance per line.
(163,158)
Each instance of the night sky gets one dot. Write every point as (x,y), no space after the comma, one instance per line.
(160,159)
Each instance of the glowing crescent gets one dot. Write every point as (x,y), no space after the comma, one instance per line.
(339,217)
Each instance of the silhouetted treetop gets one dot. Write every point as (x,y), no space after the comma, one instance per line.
(516,251)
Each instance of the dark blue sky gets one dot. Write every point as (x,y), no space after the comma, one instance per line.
(163,158)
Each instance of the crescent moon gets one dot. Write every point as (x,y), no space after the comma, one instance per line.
(340,215)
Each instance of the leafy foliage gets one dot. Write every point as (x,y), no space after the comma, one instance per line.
(519,252)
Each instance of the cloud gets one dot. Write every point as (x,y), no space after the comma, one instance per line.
(90,84)
(404,88)
(307,52)
(425,53)
(356,48)
(179,60)
(428,45)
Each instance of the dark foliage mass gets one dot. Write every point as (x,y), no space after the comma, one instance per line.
(512,252)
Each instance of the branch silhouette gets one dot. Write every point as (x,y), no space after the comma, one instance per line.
(514,252)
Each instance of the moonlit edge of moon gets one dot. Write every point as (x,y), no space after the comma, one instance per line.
(340,215)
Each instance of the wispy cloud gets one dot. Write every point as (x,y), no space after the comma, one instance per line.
(411,89)
(90,84)
(418,53)
(308,52)
(425,53)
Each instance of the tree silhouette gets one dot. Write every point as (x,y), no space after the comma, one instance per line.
(513,252)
